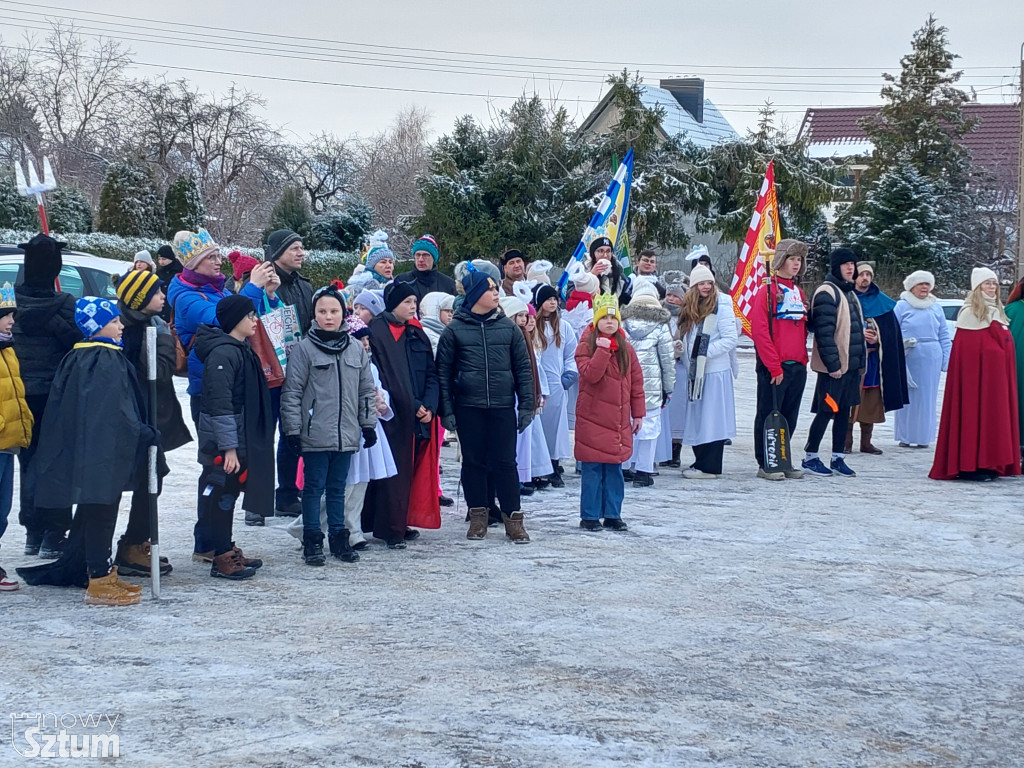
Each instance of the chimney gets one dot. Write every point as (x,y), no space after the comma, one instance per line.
(689,92)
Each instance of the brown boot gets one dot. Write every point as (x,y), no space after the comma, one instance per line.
(230,566)
(865,440)
(477,523)
(514,528)
(248,562)
(107,590)
(125,585)
(134,559)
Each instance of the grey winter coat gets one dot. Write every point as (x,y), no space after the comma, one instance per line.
(327,399)
(646,327)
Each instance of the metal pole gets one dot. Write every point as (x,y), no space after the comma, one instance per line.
(1020,178)
(154,529)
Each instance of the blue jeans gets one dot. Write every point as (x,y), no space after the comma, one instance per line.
(6,488)
(324,471)
(601,491)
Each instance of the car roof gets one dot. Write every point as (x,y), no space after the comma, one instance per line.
(13,254)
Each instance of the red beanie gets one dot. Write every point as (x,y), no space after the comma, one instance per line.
(241,264)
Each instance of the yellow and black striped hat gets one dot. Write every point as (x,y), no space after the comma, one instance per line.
(136,288)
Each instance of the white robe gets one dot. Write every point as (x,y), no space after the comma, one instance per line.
(713,417)
(375,462)
(916,423)
(532,457)
(552,362)
(675,413)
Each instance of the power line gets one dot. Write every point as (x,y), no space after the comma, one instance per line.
(486,56)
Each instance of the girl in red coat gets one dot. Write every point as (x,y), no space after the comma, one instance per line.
(609,412)
(979,431)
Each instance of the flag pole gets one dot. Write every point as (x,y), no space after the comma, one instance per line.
(154,528)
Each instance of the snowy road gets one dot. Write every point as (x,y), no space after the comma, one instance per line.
(869,622)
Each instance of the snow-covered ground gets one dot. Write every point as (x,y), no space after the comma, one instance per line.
(875,621)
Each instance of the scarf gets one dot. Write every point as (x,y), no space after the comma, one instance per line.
(917,303)
(614,341)
(198,280)
(6,340)
(699,355)
(874,303)
(330,342)
(969,321)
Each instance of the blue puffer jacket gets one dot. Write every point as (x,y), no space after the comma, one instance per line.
(196,305)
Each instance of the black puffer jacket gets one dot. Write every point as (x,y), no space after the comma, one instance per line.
(44,332)
(824,314)
(429,281)
(221,425)
(297,291)
(483,362)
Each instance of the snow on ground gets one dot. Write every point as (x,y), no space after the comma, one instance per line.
(874,621)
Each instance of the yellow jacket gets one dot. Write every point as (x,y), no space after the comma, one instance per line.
(15,417)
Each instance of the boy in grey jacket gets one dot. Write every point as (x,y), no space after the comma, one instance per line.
(328,411)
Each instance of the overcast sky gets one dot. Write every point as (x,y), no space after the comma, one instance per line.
(789,52)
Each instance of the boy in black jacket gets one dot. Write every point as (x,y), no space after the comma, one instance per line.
(236,435)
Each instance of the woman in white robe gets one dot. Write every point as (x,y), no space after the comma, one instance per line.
(555,348)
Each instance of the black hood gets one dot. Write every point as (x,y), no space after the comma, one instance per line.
(844,285)
(209,337)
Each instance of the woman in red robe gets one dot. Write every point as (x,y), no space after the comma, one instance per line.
(979,431)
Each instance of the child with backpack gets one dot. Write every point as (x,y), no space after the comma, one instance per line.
(610,411)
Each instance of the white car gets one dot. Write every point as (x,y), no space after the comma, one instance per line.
(81,275)
(950,308)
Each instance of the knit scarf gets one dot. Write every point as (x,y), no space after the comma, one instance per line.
(968,321)
(614,344)
(199,280)
(699,355)
(329,342)
(917,303)
(6,340)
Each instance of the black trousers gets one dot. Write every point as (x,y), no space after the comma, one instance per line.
(488,439)
(138,514)
(845,392)
(98,522)
(38,521)
(287,460)
(217,494)
(790,393)
(708,457)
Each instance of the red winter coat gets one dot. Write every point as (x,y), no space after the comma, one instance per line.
(979,427)
(607,401)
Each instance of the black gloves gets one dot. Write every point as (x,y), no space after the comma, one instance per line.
(525,417)
(294,444)
(369,437)
(149,436)
(448,422)
(665,397)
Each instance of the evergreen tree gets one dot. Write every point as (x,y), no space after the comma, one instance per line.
(900,227)
(291,212)
(183,205)
(16,211)
(129,203)
(342,228)
(69,211)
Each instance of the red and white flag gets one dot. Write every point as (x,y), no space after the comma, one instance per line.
(761,239)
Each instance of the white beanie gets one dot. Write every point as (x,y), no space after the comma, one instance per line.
(586,283)
(145,256)
(539,271)
(512,305)
(701,274)
(644,292)
(916,278)
(980,274)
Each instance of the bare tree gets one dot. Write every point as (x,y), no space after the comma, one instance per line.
(325,167)
(19,129)
(391,162)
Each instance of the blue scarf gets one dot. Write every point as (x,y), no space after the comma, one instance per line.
(874,303)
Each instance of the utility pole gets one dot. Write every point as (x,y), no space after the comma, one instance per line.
(1020,177)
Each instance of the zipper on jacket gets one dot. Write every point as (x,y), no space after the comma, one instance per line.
(341,400)
(487,366)
(309,422)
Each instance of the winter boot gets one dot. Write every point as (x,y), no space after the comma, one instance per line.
(556,477)
(107,590)
(33,540)
(135,589)
(676,461)
(865,440)
(514,528)
(134,559)
(477,523)
(251,518)
(642,479)
(52,546)
(848,447)
(313,548)
(338,542)
(248,562)
(230,566)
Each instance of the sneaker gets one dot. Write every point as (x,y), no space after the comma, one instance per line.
(590,525)
(794,474)
(770,475)
(840,468)
(32,543)
(816,468)
(446,501)
(905,445)
(615,523)
(6,584)
(628,475)
(692,473)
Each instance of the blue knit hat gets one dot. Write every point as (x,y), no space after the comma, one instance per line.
(383,252)
(93,313)
(476,283)
(426,243)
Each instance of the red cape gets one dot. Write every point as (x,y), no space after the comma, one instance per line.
(979,427)
(424,501)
